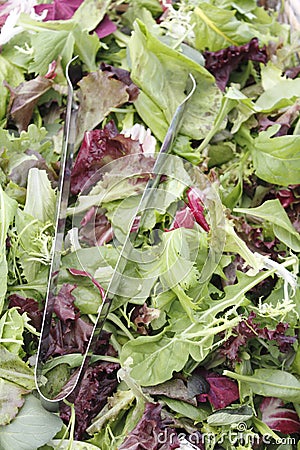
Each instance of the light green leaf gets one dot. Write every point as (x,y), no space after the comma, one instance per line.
(15,370)
(282,94)
(7,211)
(86,47)
(183,409)
(271,383)
(276,159)
(168,72)
(11,399)
(215,27)
(153,358)
(32,428)
(11,330)
(66,444)
(234,244)
(273,212)
(49,45)
(11,75)
(230,416)
(41,206)
(90,13)
(121,401)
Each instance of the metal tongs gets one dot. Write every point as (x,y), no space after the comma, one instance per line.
(64,187)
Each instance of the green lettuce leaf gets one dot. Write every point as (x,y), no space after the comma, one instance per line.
(273,212)
(7,211)
(11,331)
(59,38)
(15,370)
(162,74)
(41,206)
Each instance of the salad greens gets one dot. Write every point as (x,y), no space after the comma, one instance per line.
(200,349)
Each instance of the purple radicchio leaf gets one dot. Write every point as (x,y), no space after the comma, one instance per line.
(222,390)
(65,9)
(278,417)
(223,62)
(151,432)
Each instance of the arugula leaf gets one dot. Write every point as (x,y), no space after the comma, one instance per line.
(273,212)
(40,426)
(271,383)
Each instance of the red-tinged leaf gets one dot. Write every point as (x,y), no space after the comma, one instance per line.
(59,9)
(196,205)
(28,305)
(124,76)
(11,399)
(248,329)
(222,390)
(83,273)
(25,97)
(278,417)
(145,436)
(99,383)
(99,147)
(64,303)
(105,27)
(223,62)
(95,228)
(184,218)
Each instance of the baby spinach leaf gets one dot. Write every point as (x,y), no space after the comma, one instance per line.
(153,358)
(32,428)
(276,159)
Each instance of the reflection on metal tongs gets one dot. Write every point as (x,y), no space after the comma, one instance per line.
(124,254)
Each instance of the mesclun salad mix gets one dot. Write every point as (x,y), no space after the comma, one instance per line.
(200,348)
